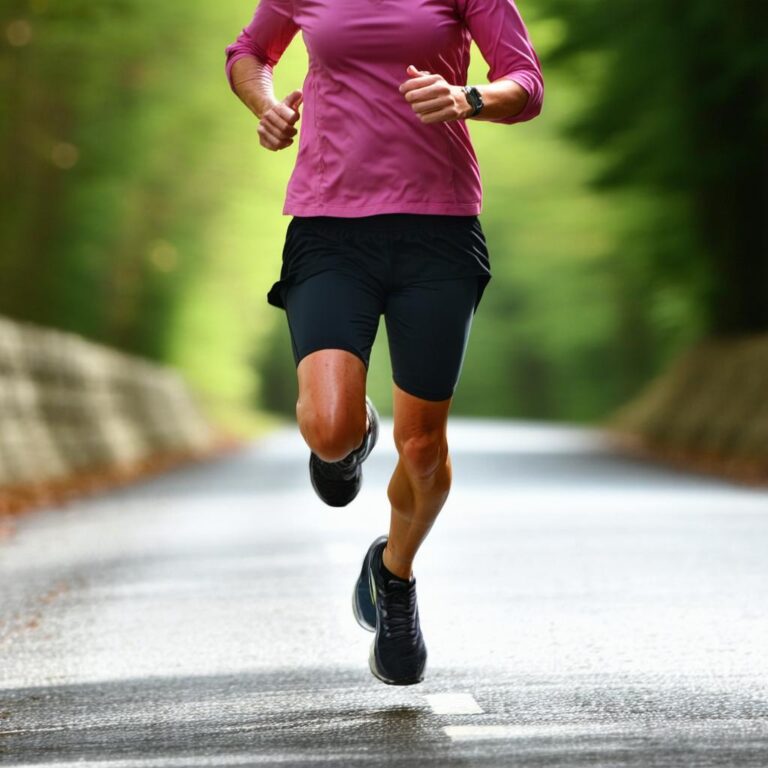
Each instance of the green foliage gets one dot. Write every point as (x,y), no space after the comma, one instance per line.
(678,107)
(106,150)
(140,210)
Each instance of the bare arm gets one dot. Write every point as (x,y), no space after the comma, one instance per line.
(502,98)
(252,82)
(502,37)
(515,89)
(434,100)
(249,63)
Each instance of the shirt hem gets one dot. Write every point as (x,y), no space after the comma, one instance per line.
(352,211)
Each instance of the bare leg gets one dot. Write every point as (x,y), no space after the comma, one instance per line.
(331,406)
(422,478)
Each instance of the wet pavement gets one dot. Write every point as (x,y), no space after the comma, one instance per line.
(580,609)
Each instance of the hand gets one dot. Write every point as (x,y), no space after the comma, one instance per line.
(276,129)
(432,98)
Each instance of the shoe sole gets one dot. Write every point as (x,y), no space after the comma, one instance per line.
(378,675)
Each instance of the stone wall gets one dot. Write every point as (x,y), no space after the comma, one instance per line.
(710,410)
(70,408)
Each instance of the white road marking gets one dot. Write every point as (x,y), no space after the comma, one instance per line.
(484,732)
(453,704)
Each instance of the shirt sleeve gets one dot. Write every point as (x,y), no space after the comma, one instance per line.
(502,37)
(266,37)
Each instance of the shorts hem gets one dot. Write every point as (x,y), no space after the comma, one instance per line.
(276,294)
(423,394)
(341,347)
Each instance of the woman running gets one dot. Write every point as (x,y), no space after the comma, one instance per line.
(384,198)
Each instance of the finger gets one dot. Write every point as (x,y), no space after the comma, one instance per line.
(277,125)
(270,143)
(273,137)
(294,98)
(270,136)
(275,142)
(433,91)
(412,71)
(438,116)
(268,140)
(288,115)
(418,82)
(422,107)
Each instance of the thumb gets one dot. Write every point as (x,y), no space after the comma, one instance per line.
(414,72)
(294,99)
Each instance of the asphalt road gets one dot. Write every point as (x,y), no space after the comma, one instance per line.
(579,609)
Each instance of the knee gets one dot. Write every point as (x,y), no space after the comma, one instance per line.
(423,454)
(331,435)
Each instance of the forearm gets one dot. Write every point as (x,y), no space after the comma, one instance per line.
(252,82)
(502,98)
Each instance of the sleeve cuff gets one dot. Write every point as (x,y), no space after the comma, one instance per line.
(534,88)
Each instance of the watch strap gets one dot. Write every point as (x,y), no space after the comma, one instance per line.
(474,99)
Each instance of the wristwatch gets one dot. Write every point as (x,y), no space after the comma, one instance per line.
(474,99)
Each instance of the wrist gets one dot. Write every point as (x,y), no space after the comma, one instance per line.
(259,103)
(468,109)
(474,100)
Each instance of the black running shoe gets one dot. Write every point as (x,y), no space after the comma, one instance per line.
(398,653)
(362,602)
(338,482)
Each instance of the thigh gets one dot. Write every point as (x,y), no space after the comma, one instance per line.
(428,326)
(333,310)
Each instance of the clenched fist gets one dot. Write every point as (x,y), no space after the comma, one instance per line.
(276,129)
(433,99)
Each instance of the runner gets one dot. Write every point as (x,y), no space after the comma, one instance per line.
(384,198)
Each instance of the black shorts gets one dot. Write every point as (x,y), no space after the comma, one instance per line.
(425,273)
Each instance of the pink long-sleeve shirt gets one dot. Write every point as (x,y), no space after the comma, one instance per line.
(362,148)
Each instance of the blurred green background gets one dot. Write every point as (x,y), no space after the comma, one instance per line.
(624,224)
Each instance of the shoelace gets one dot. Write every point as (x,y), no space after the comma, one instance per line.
(399,610)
